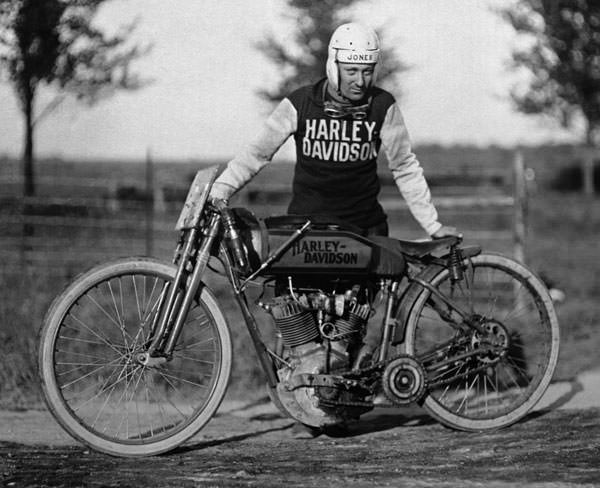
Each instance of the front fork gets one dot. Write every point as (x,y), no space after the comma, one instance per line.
(177,298)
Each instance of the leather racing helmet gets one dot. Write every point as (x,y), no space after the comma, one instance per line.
(351,43)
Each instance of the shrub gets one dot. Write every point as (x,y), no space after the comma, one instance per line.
(570,178)
(132,194)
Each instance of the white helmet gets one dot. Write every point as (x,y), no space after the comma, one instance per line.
(351,43)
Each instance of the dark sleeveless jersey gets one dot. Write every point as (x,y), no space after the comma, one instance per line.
(336,167)
(336,159)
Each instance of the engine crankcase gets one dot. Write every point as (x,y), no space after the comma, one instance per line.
(302,403)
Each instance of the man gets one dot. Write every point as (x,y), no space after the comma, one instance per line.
(340,124)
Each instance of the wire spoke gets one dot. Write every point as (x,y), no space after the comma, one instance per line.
(104,388)
(175,390)
(164,374)
(94,371)
(185,347)
(103,310)
(137,299)
(119,319)
(104,340)
(196,360)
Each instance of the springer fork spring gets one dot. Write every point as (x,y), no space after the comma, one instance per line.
(455,259)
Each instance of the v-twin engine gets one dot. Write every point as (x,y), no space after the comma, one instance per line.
(300,325)
(322,334)
(306,317)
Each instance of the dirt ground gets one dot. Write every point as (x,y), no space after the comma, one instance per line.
(252,445)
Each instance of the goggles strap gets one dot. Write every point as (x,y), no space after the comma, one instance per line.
(337,110)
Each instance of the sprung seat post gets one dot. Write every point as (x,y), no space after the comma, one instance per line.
(455,259)
(387,320)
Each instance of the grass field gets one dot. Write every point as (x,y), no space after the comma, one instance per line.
(562,244)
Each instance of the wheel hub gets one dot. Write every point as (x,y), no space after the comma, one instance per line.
(146,360)
(495,337)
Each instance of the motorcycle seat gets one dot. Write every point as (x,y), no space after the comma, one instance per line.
(414,248)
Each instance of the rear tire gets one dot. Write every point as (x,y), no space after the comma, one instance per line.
(93,382)
(515,307)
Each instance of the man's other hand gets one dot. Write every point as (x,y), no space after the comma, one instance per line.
(446,231)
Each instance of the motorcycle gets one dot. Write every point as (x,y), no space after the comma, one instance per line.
(135,355)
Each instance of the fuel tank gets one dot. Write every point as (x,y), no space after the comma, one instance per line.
(330,247)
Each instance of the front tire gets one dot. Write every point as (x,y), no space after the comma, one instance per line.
(93,381)
(488,391)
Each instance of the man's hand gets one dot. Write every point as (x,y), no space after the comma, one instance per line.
(218,201)
(446,231)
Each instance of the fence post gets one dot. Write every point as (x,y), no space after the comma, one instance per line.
(587,171)
(149,204)
(114,205)
(520,196)
(25,231)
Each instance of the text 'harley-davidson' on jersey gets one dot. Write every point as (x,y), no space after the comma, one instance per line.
(336,159)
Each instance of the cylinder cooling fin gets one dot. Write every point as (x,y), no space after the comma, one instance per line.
(351,325)
(296,324)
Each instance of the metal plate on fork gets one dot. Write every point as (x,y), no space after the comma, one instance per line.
(196,198)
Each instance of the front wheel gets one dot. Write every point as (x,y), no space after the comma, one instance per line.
(488,379)
(93,376)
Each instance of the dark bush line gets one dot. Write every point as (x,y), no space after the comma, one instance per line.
(570,178)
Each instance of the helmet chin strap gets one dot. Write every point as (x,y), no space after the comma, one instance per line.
(339,82)
(337,94)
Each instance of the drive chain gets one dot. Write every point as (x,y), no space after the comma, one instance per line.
(377,367)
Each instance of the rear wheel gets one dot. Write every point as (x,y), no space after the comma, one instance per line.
(96,381)
(492,378)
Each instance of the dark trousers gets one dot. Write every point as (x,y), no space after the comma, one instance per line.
(381,229)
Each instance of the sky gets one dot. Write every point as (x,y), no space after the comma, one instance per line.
(206,70)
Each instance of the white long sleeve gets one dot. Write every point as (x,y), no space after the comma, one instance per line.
(256,155)
(406,170)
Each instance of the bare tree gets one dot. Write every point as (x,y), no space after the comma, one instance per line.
(563,59)
(303,61)
(55,43)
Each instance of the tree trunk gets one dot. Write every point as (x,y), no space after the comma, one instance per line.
(28,172)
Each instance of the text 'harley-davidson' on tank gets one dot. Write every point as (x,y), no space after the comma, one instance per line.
(135,355)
